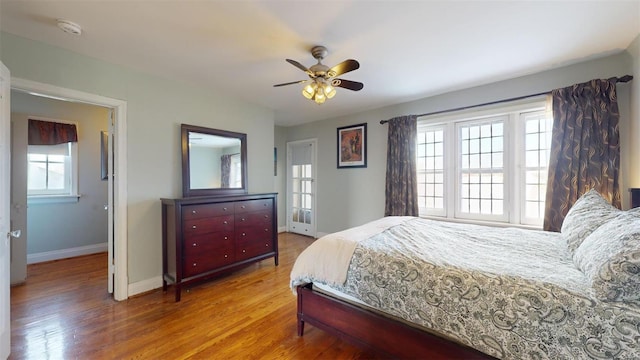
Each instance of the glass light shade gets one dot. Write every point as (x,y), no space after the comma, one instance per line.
(309,90)
(320,99)
(329,91)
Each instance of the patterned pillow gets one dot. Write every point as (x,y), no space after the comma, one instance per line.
(610,258)
(587,214)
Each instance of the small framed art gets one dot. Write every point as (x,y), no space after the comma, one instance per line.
(352,146)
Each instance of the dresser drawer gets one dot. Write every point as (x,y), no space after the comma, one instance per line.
(253,249)
(253,205)
(254,233)
(208,254)
(206,210)
(207,225)
(207,242)
(259,218)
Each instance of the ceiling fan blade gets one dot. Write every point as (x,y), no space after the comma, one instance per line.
(300,66)
(290,83)
(347,84)
(343,68)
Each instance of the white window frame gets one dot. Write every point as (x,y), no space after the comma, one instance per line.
(513,164)
(67,196)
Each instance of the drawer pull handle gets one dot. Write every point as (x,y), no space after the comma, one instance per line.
(193,212)
(193,227)
(266,230)
(243,234)
(244,251)
(266,216)
(226,256)
(224,209)
(226,238)
(195,244)
(266,245)
(242,206)
(225,222)
(195,264)
(265,204)
(242,219)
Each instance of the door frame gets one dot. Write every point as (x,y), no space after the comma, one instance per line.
(118,202)
(5,213)
(314,184)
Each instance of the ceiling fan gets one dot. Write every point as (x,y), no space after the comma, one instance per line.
(322,79)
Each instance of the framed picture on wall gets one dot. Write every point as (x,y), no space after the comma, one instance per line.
(104,153)
(352,146)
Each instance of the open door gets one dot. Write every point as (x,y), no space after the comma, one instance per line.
(5,229)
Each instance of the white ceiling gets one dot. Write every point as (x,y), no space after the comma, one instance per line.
(407,49)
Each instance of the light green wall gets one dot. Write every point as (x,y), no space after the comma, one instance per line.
(350,197)
(155,109)
(280,180)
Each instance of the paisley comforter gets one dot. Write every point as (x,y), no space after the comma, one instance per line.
(511,293)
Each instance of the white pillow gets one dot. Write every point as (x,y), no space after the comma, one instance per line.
(588,213)
(610,258)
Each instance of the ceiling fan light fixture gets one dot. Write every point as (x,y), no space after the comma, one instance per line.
(309,90)
(329,91)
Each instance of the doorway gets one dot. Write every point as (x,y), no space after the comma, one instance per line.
(117,196)
(301,187)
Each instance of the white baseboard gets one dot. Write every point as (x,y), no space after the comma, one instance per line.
(145,285)
(282,229)
(66,253)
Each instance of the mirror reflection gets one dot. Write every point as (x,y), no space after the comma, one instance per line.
(215,161)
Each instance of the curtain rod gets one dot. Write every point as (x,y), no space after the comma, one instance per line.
(623,79)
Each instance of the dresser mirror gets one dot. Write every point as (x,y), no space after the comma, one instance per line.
(214,162)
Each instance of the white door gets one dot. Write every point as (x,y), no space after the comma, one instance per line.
(5,173)
(301,187)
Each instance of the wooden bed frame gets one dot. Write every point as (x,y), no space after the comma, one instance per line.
(374,332)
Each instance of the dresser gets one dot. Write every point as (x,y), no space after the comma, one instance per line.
(208,236)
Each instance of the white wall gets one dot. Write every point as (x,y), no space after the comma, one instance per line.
(155,109)
(350,197)
(64,226)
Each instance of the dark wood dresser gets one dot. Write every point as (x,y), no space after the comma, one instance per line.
(206,236)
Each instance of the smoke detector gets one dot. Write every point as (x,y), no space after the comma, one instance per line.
(69,27)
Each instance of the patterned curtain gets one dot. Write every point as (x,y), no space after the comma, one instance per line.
(585,148)
(401,193)
(51,133)
(225,170)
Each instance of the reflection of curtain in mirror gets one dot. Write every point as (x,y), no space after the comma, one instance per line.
(225,170)
(235,179)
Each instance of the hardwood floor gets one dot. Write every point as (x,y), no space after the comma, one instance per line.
(65,312)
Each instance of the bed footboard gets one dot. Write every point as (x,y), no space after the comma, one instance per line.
(373,331)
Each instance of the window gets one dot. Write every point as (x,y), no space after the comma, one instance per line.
(487,165)
(51,171)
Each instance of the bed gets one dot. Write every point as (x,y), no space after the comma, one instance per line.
(415,288)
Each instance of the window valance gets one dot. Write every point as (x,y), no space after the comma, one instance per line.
(51,133)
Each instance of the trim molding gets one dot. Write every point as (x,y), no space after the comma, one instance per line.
(145,285)
(282,229)
(66,253)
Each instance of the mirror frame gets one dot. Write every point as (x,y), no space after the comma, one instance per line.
(187,191)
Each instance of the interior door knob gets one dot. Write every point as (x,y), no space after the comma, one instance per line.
(14,234)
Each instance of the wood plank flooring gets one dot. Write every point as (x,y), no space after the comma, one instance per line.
(64,312)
